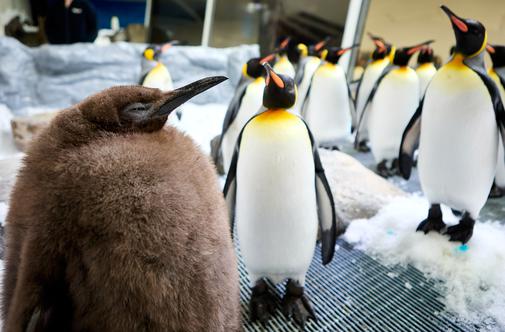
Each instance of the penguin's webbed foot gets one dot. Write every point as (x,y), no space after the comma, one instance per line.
(296,304)
(434,222)
(496,192)
(262,303)
(463,231)
(363,147)
(383,170)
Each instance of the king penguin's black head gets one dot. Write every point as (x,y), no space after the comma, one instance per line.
(497,53)
(334,53)
(315,50)
(425,55)
(382,49)
(403,55)
(280,90)
(471,36)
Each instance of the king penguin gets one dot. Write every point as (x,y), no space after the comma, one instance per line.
(497,73)
(425,68)
(156,75)
(277,193)
(329,105)
(283,65)
(382,56)
(393,101)
(456,127)
(246,103)
(310,60)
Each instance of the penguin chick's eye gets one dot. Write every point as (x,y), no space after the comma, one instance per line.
(135,113)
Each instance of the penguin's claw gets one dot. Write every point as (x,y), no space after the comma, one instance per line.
(295,304)
(261,305)
(460,233)
(463,231)
(429,225)
(299,308)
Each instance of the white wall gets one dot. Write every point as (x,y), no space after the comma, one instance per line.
(407,22)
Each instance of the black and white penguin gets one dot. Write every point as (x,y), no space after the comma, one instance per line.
(277,193)
(393,101)
(310,60)
(425,68)
(282,64)
(247,102)
(328,106)
(497,73)
(381,57)
(457,128)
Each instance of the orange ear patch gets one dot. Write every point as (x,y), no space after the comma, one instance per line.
(459,23)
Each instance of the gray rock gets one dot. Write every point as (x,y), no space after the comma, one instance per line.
(357,191)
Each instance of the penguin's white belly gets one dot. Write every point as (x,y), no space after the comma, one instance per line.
(309,70)
(425,73)
(393,105)
(458,143)
(276,210)
(500,164)
(372,73)
(250,105)
(328,111)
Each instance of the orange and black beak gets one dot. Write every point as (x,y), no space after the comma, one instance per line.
(167,46)
(413,49)
(471,36)
(490,49)
(272,76)
(344,50)
(378,42)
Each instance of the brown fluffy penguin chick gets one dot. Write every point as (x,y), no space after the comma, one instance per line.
(117,223)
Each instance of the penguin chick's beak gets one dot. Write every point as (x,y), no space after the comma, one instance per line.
(344,50)
(456,21)
(416,48)
(490,49)
(272,76)
(173,99)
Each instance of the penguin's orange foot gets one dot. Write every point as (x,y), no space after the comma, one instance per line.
(463,231)
(262,303)
(295,304)
(434,221)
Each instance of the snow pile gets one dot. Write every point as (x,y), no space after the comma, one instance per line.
(472,276)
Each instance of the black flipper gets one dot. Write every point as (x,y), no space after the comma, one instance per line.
(410,142)
(327,214)
(478,66)
(230,186)
(385,72)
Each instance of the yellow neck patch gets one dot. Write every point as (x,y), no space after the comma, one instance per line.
(276,115)
(456,62)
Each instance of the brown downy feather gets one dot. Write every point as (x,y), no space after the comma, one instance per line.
(118,225)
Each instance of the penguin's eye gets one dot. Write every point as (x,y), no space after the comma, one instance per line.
(136,113)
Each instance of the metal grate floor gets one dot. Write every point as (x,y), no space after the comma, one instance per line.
(356,293)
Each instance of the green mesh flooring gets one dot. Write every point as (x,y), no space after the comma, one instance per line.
(356,293)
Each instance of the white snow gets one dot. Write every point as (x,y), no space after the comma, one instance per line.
(3,213)
(472,276)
